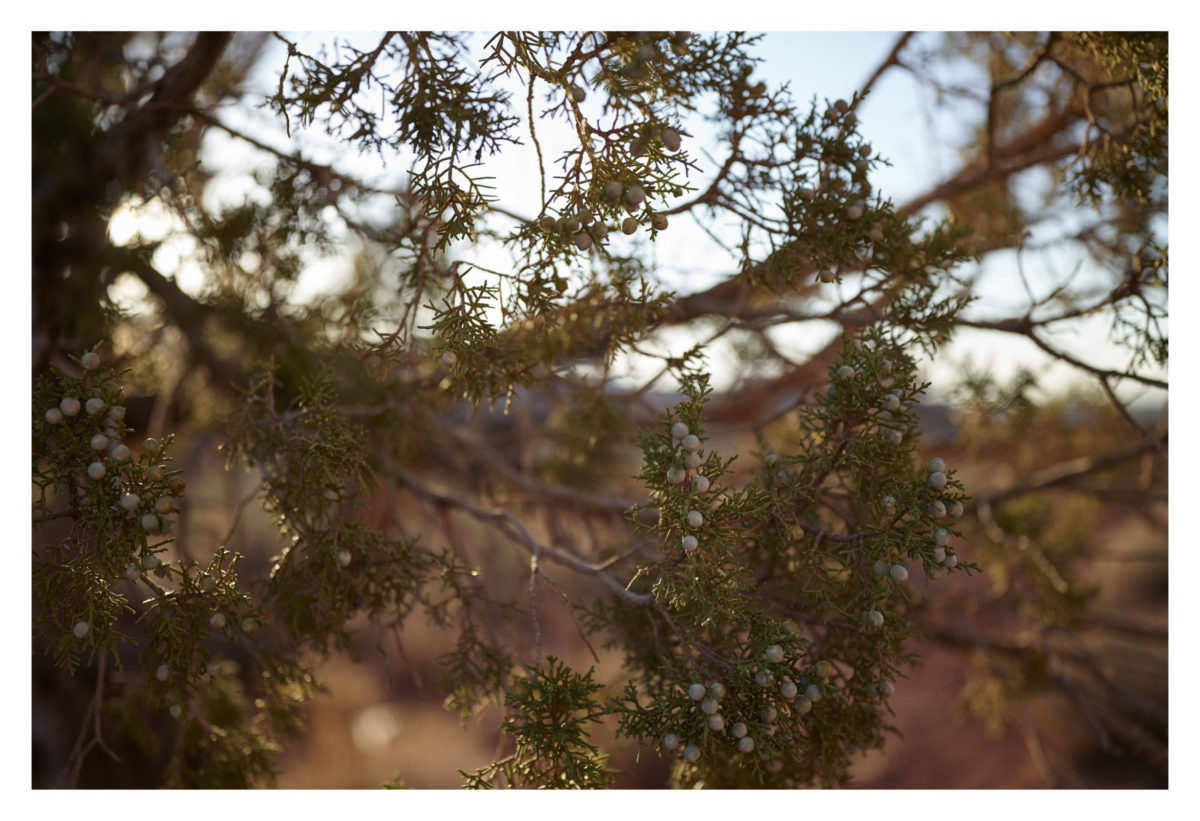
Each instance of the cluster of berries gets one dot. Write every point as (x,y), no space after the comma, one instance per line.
(104,428)
(646,55)
(854,190)
(800,702)
(889,403)
(99,417)
(709,699)
(665,135)
(689,445)
(584,229)
(937,509)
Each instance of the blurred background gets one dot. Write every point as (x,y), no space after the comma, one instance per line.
(1047,670)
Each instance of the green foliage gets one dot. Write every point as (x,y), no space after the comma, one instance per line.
(316,476)
(229,727)
(1132,69)
(549,711)
(759,598)
(437,107)
(230,741)
(795,559)
(476,673)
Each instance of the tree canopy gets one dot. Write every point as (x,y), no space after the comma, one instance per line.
(625,506)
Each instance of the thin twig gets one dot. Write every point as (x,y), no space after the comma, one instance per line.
(91,722)
(1066,472)
(237,514)
(893,59)
(571,610)
(537,627)
(1033,742)
(517,532)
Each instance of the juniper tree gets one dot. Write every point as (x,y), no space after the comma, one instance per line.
(757,558)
